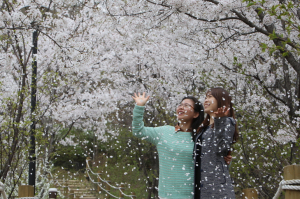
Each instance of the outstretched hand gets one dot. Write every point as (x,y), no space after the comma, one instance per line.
(222,112)
(139,99)
(228,158)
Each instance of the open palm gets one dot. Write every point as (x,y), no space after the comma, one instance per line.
(222,112)
(139,99)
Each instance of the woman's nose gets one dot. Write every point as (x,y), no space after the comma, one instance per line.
(179,107)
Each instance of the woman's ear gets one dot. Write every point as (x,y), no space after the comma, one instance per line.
(196,115)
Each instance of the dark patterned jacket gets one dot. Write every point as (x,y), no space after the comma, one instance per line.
(212,179)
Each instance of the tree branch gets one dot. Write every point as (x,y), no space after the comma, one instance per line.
(209,20)
(259,80)
(160,4)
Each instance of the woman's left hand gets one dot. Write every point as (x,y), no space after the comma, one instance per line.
(222,112)
(228,158)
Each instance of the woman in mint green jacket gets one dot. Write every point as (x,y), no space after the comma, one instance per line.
(174,145)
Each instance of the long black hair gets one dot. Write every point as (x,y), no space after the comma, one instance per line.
(198,108)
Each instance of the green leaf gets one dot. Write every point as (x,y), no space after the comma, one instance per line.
(273,36)
(262,2)
(285,54)
(263,46)
(290,5)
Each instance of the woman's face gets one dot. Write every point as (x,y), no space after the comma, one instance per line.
(210,104)
(185,110)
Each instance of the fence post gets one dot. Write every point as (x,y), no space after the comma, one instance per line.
(133,195)
(250,193)
(26,191)
(66,190)
(107,188)
(98,177)
(52,193)
(86,168)
(121,188)
(292,172)
(71,196)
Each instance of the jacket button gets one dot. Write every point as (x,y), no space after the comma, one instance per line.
(201,185)
(201,170)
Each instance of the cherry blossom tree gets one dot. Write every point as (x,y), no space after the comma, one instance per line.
(66,93)
(93,55)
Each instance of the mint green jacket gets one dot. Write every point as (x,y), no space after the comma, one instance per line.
(175,152)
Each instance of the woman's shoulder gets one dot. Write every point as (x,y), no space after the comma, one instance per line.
(167,127)
(232,120)
(226,120)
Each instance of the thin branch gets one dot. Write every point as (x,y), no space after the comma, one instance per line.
(126,14)
(166,16)
(16,53)
(70,128)
(209,20)
(259,80)
(213,1)
(50,38)
(226,39)
(160,4)
(14,28)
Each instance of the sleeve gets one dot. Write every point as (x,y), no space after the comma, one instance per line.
(151,134)
(224,129)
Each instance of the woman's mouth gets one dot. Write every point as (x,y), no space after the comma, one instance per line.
(206,105)
(180,112)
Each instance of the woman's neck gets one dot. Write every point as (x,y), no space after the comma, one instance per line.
(211,119)
(185,126)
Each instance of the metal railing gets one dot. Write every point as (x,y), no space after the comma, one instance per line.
(108,186)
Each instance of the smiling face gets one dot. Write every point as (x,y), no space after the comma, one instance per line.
(210,104)
(185,110)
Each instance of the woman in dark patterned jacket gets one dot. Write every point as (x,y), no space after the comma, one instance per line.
(212,144)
